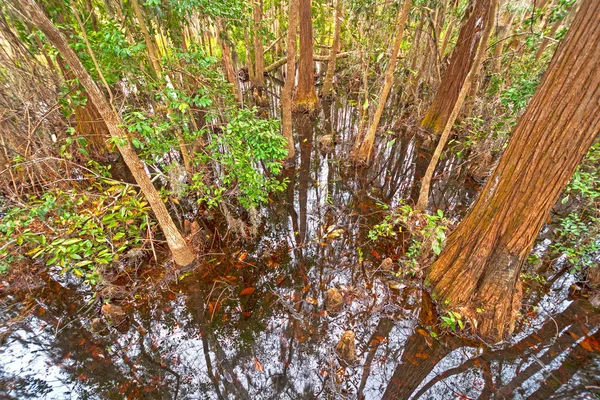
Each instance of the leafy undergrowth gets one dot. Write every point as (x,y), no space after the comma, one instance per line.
(83,232)
(424,236)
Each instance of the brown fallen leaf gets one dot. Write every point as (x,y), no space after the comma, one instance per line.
(259,366)
(243,256)
(312,301)
(247,291)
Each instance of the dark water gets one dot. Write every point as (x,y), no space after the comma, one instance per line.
(250,322)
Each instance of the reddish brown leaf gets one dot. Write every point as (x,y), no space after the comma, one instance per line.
(259,366)
(590,344)
(247,291)
(312,301)
(243,256)
(381,339)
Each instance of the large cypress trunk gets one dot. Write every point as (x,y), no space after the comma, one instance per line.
(480,266)
(306,94)
(181,252)
(461,63)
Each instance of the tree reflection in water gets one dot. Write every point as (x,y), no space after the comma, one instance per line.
(200,337)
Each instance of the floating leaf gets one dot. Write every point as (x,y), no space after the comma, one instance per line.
(243,256)
(259,366)
(247,291)
(311,301)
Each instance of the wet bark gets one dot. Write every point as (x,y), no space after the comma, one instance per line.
(461,63)
(181,252)
(480,266)
(305,137)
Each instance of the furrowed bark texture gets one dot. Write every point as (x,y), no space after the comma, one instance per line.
(290,79)
(461,62)
(466,87)
(259,61)
(306,94)
(181,252)
(480,266)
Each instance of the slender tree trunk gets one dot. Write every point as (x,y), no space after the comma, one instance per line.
(546,40)
(461,63)
(335,47)
(478,64)
(306,99)
(447,36)
(259,51)
(249,63)
(290,79)
(363,97)
(226,57)
(426,182)
(502,31)
(363,154)
(480,266)
(149,42)
(182,254)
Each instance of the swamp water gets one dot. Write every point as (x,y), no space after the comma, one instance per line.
(251,321)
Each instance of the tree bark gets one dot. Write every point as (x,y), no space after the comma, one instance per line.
(149,42)
(461,63)
(306,96)
(259,51)
(290,79)
(478,64)
(316,57)
(181,252)
(335,47)
(502,31)
(226,58)
(363,153)
(480,266)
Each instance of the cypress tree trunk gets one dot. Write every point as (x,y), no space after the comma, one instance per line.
(149,42)
(290,79)
(306,95)
(363,153)
(182,254)
(480,266)
(259,52)
(461,63)
(226,58)
(335,47)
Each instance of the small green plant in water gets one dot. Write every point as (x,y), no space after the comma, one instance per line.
(427,233)
(453,321)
